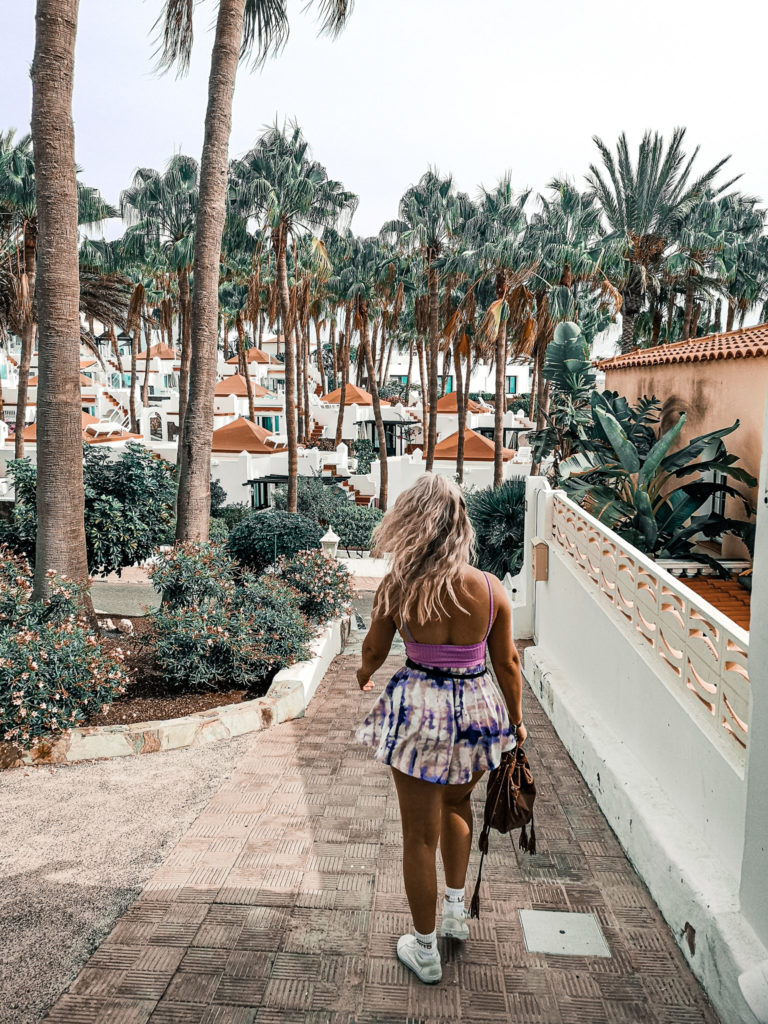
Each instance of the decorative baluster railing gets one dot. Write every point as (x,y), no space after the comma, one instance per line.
(700,652)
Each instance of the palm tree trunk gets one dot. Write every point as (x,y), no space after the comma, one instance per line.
(134,373)
(434,310)
(334,353)
(410,368)
(320,367)
(656,328)
(500,357)
(423,375)
(628,331)
(461,407)
(305,379)
(194,499)
(244,363)
(695,319)
(688,313)
(145,386)
(60,543)
(670,314)
(731,313)
(299,349)
(717,326)
(27,339)
(368,355)
(279,242)
(185,331)
(532,403)
(343,385)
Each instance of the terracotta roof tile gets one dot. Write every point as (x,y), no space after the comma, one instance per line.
(477,448)
(746,343)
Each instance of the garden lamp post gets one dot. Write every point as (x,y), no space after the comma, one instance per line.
(330,543)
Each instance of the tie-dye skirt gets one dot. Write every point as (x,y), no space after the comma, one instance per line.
(439,727)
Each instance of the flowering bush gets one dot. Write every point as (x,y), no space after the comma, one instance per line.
(322,582)
(355,524)
(193,575)
(221,627)
(54,672)
(263,536)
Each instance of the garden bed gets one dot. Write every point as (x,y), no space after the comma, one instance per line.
(287,697)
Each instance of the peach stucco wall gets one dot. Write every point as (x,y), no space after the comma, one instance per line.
(712,395)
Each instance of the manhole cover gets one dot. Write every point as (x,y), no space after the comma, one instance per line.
(563,934)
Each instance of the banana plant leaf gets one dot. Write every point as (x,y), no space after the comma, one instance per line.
(625,450)
(658,453)
(681,459)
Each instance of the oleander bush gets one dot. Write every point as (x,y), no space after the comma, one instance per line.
(54,671)
(218,531)
(323,583)
(264,536)
(355,524)
(232,515)
(220,627)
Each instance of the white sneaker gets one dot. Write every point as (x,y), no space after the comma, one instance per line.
(455,926)
(427,969)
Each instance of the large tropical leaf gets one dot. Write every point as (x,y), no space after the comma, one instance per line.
(625,450)
(658,453)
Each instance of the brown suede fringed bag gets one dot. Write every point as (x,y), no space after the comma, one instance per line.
(508,805)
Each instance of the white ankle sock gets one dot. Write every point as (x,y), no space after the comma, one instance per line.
(454,901)
(427,944)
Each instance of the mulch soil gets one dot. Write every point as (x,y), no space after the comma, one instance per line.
(150,696)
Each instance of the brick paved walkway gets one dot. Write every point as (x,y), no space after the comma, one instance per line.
(283,902)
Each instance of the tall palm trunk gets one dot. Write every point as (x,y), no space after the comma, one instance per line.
(410,370)
(500,357)
(461,407)
(434,310)
(423,375)
(342,386)
(717,326)
(305,379)
(670,314)
(185,325)
(370,367)
(320,366)
(27,338)
(145,386)
(194,498)
(60,542)
(688,313)
(695,314)
(334,353)
(279,242)
(656,325)
(299,349)
(244,363)
(731,313)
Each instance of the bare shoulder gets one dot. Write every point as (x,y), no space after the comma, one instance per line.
(475,583)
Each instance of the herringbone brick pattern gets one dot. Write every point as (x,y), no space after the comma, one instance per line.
(283,903)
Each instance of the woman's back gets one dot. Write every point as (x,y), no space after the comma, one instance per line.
(464,623)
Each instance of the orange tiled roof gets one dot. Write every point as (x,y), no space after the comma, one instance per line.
(159,351)
(746,343)
(352,396)
(86,421)
(254,355)
(728,596)
(236,384)
(241,436)
(477,448)
(449,403)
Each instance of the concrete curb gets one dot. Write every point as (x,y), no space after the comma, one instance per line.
(288,697)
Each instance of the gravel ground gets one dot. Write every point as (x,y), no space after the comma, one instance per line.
(77,843)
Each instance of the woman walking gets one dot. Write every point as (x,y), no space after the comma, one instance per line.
(441,720)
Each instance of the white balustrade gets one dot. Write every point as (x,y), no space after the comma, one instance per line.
(701,653)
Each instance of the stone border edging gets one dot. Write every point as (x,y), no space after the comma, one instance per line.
(288,697)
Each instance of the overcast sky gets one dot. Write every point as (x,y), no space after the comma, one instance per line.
(475,87)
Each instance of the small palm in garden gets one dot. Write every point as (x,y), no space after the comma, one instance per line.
(498,517)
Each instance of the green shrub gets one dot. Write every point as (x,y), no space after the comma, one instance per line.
(355,524)
(54,673)
(322,582)
(128,506)
(498,516)
(218,497)
(194,575)
(365,453)
(264,536)
(314,499)
(218,531)
(233,515)
(220,627)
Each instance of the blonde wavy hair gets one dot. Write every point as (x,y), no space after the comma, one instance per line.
(429,539)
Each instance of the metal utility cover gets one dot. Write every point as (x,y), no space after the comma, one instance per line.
(563,934)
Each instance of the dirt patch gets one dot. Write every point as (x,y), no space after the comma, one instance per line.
(150,696)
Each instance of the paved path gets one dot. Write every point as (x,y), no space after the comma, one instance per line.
(283,902)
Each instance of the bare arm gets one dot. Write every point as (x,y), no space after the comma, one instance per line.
(376,646)
(506,660)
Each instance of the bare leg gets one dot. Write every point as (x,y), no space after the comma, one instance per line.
(420,811)
(456,831)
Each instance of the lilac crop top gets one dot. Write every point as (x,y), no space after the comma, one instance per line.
(449,655)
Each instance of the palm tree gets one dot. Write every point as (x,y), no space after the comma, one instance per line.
(429,214)
(161,210)
(640,202)
(60,543)
(359,277)
(279,183)
(497,233)
(243,27)
(19,208)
